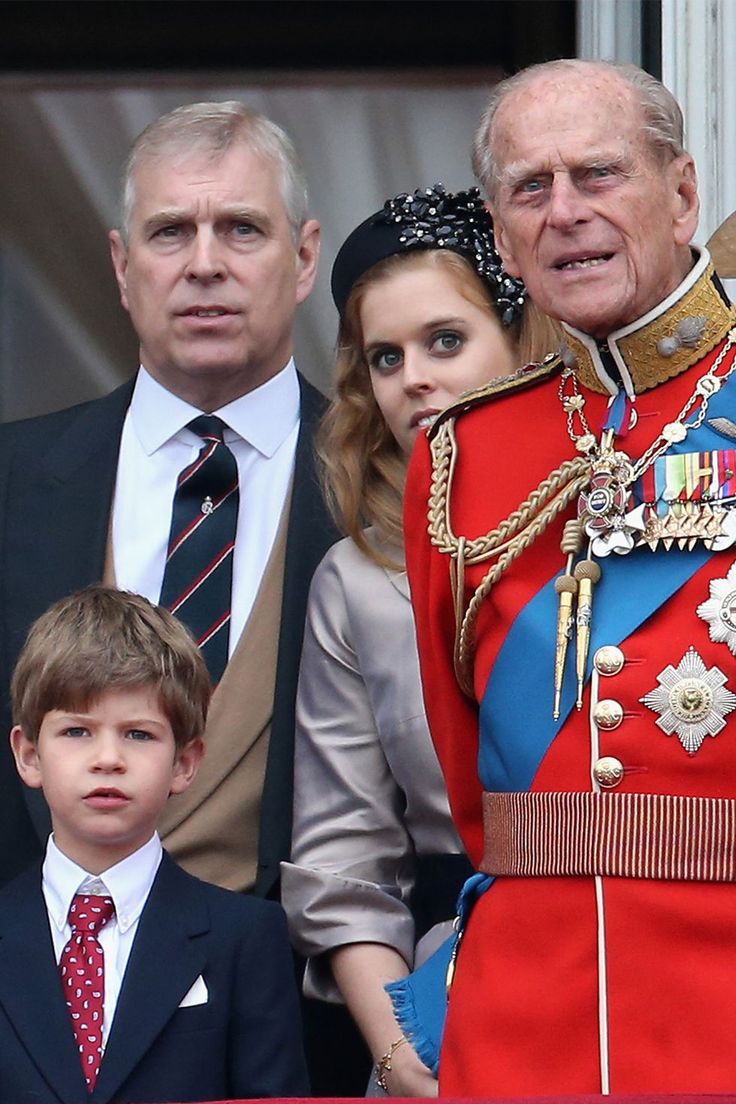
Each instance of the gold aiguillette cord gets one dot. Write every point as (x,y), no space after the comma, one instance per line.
(566,587)
(587,573)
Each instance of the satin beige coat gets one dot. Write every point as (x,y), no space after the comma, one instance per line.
(368,792)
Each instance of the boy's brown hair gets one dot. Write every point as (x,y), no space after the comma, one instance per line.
(102,639)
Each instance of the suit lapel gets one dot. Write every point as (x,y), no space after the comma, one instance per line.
(165,961)
(30,990)
(310,533)
(70,489)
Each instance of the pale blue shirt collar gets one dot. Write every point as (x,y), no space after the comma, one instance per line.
(264,417)
(128,882)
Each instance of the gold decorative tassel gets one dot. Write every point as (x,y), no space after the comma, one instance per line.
(566,587)
(587,573)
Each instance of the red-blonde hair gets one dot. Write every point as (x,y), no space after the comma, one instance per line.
(363,467)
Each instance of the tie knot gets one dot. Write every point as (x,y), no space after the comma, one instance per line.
(208,426)
(90,913)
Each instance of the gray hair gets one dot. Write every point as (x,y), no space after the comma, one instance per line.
(663,124)
(211,129)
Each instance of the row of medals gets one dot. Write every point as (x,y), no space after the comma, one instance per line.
(696,504)
(702,510)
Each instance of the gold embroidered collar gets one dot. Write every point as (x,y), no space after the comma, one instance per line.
(668,340)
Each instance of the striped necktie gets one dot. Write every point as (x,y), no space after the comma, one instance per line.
(197,581)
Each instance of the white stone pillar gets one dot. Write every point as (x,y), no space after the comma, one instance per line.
(698,49)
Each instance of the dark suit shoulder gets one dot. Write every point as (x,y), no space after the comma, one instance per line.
(20,888)
(226,903)
(117,400)
(313,402)
(95,424)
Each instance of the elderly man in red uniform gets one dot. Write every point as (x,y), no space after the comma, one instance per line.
(575,593)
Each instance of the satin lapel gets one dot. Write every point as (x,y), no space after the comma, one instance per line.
(166,959)
(30,991)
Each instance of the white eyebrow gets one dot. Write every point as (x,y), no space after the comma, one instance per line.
(516,172)
(235,211)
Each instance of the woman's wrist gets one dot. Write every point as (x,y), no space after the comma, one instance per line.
(384,1063)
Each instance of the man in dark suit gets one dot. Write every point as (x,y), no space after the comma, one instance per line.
(215,253)
(122,977)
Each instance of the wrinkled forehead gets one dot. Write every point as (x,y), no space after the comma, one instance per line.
(198,161)
(177,178)
(596,107)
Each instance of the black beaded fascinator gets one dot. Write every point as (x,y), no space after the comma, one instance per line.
(431,218)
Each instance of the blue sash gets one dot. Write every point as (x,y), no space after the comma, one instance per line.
(516,723)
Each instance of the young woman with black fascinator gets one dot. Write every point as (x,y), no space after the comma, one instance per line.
(426,313)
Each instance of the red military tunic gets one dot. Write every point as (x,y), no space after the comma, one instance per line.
(585,983)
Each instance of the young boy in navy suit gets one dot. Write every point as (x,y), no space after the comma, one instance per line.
(122,977)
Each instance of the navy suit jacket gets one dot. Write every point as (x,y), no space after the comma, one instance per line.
(244,1041)
(57,479)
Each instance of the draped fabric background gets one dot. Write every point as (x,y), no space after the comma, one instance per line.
(63,335)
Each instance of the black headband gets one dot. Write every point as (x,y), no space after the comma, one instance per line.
(432,218)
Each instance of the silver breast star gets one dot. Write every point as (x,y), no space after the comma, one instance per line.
(691,701)
(720,610)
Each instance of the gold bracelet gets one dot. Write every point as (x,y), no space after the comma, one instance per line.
(383,1065)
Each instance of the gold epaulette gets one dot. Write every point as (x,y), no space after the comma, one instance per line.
(527,376)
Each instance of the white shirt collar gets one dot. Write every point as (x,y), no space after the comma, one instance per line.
(128,882)
(264,417)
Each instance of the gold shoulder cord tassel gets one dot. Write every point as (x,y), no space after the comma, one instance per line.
(587,573)
(503,544)
(457,583)
(566,587)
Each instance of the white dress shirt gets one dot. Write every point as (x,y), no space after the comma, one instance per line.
(156,446)
(128,883)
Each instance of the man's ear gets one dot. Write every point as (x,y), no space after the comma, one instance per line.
(503,245)
(119,255)
(25,753)
(307,258)
(686,202)
(186,765)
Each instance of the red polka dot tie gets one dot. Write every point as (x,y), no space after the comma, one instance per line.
(82,967)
